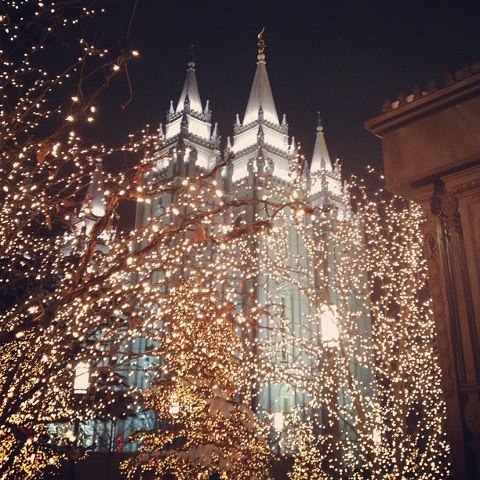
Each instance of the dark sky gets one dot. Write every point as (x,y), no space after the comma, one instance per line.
(342,58)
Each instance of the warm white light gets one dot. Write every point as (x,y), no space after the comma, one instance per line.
(174,408)
(329,327)
(278,421)
(81,380)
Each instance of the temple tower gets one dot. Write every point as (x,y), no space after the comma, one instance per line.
(189,143)
(265,158)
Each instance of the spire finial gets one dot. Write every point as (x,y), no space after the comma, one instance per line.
(261,45)
(191,63)
(319,123)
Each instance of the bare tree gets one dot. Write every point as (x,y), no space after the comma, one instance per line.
(371,374)
(202,391)
(76,293)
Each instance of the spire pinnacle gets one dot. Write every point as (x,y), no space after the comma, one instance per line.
(319,123)
(261,45)
(95,191)
(215,131)
(191,63)
(321,158)
(190,89)
(261,93)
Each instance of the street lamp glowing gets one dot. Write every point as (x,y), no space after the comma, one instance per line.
(81,380)
(174,406)
(328,324)
(278,421)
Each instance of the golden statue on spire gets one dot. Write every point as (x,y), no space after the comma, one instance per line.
(261,42)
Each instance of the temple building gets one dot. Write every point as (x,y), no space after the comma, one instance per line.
(258,159)
(260,148)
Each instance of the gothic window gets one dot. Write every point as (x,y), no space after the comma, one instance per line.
(159,211)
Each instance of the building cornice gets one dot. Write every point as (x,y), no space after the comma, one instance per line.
(426,104)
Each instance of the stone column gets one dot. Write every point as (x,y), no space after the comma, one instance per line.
(457,338)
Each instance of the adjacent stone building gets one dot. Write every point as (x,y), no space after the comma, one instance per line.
(431,151)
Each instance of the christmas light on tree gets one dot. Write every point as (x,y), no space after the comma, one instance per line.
(375,404)
(201,393)
(290,318)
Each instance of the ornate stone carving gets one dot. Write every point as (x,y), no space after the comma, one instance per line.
(472,415)
(433,255)
(449,213)
(465,187)
(448,205)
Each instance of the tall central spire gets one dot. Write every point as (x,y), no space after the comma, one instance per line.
(261,134)
(261,97)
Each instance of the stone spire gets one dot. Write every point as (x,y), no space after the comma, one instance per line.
(321,158)
(94,197)
(189,138)
(190,91)
(189,118)
(92,208)
(261,134)
(261,93)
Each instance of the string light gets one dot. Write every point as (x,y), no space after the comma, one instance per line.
(371,379)
(187,281)
(50,312)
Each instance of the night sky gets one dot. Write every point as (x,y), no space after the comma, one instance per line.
(342,58)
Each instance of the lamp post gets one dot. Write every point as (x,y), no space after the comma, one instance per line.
(330,342)
(328,326)
(81,382)
(278,424)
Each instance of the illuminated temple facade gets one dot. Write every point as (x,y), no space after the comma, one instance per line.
(260,146)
